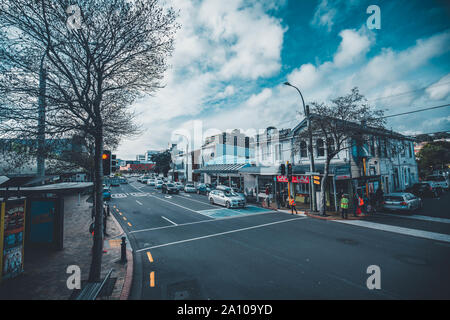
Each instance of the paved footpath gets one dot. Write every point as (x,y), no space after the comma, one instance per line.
(45,274)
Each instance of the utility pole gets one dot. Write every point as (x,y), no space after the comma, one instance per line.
(310,149)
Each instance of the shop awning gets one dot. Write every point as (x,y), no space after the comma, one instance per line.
(222,168)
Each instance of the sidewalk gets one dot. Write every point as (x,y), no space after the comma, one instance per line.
(45,274)
(305,210)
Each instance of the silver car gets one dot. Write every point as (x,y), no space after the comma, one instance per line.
(402,201)
(189,188)
(227,199)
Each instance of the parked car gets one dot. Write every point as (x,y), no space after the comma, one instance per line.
(239,192)
(227,199)
(151,182)
(123,181)
(169,188)
(422,189)
(402,201)
(159,184)
(106,193)
(179,185)
(440,182)
(223,188)
(189,188)
(204,188)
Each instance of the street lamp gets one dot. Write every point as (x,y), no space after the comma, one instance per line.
(187,157)
(311,157)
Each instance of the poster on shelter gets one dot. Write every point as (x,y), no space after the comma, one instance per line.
(13,233)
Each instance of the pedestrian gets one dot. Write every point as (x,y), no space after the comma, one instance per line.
(293,205)
(278,199)
(344,206)
(108,212)
(267,196)
(283,198)
(355,204)
(360,205)
(379,197)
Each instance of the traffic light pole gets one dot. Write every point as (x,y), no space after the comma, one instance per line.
(311,161)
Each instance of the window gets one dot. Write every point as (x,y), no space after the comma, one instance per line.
(303,149)
(320,148)
(330,145)
(235,141)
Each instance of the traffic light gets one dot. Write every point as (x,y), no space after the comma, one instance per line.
(289,169)
(283,169)
(106,162)
(316,179)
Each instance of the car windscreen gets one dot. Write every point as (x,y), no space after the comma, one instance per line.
(393,198)
(190,185)
(170,185)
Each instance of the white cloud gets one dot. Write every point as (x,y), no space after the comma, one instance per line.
(353,46)
(324,15)
(439,90)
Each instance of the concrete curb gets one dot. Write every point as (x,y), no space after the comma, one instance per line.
(126,287)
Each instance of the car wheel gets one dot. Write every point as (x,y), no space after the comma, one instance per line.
(211,200)
(228,205)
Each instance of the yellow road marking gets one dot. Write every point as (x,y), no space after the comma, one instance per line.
(124,218)
(149,255)
(129,224)
(152,279)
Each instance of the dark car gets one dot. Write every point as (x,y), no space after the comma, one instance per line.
(422,189)
(204,188)
(169,188)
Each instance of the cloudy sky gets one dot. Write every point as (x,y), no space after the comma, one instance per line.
(232,57)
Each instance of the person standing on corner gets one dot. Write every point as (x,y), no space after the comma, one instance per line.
(293,204)
(344,207)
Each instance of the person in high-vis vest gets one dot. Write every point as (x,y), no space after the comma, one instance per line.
(293,204)
(344,206)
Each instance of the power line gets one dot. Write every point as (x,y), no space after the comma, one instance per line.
(415,111)
(411,91)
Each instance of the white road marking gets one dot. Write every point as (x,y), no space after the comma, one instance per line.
(400,230)
(169,221)
(139,202)
(219,234)
(417,217)
(173,203)
(202,221)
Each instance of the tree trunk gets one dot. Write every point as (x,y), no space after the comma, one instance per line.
(97,249)
(323,186)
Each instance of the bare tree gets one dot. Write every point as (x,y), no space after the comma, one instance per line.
(348,120)
(96,58)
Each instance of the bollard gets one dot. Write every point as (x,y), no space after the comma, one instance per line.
(123,250)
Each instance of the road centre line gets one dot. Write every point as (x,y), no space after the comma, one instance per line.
(169,220)
(139,202)
(219,234)
(405,231)
(149,256)
(202,221)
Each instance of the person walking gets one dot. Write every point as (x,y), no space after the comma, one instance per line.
(105,217)
(283,198)
(344,206)
(293,204)
(379,198)
(267,196)
(278,199)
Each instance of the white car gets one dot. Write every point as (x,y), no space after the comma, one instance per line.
(159,184)
(179,185)
(227,199)
(190,188)
(151,182)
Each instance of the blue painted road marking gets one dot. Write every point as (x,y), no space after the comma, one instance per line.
(223,212)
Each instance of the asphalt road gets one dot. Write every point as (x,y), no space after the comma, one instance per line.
(185,248)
